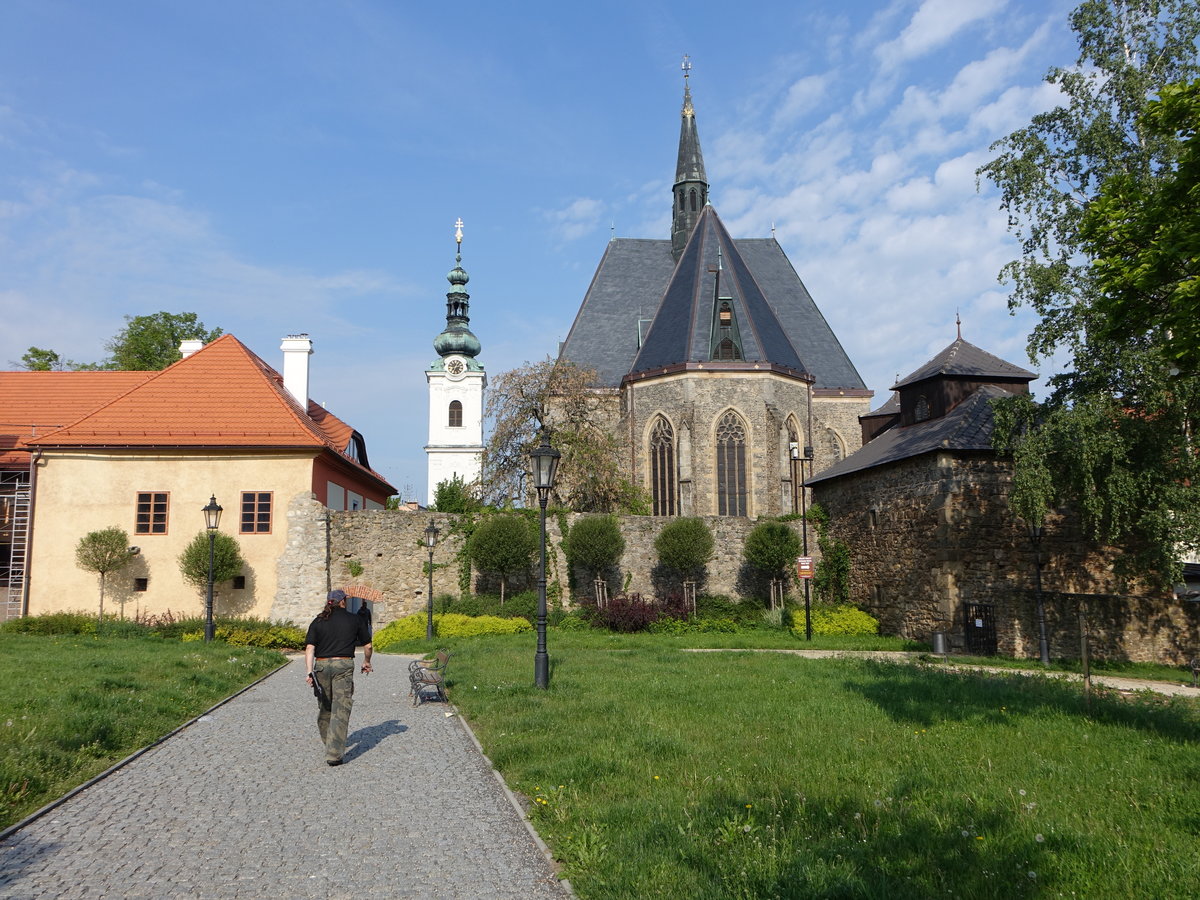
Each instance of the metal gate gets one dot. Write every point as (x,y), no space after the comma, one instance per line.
(979,629)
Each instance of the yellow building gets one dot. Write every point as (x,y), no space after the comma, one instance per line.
(145,451)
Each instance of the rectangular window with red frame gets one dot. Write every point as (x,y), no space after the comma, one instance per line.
(256,512)
(152,509)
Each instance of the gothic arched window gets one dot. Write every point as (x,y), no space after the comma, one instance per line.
(837,449)
(731,466)
(662,467)
(693,198)
(455,414)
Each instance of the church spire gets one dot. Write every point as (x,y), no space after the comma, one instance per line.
(690,193)
(456,338)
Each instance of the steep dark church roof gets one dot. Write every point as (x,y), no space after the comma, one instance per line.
(725,300)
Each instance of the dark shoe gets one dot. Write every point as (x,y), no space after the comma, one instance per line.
(333,762)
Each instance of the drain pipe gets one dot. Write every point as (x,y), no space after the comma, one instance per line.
(34,459)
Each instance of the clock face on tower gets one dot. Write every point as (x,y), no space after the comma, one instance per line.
(455,366)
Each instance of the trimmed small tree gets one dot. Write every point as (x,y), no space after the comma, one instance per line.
(103,552)
(227,560)
(503,546)
(594,544)
(772,548)
(684,547)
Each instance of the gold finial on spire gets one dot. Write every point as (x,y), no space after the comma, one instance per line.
(458,231)
(687,91)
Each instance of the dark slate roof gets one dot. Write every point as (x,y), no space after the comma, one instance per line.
(966,360)
(966,427)
(682,329)
(891,408)
(637,279)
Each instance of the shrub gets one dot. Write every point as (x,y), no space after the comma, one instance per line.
(445,625)
(772,548)
(667,625)
(843,619)
(595,544)
(684,547)
(52,623)
(627,613)
(226,554)
(503,546)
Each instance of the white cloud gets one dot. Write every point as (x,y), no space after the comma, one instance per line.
(934,24)
(576,219)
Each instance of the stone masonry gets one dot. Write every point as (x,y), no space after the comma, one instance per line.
(933,533)
(390,547)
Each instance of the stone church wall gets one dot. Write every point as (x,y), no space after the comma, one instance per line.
(930,534)
(693,402)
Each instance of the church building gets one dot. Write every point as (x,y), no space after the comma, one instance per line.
(456,383)
(726,379)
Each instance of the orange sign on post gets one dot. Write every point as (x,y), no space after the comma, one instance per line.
(804,567)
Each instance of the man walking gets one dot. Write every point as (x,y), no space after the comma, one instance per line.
(329,657)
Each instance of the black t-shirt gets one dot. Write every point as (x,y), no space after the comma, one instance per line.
(339,634)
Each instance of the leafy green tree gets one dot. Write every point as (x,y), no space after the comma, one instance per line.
(1145,240)
(454,496)
(503,546)
(227,560)
(564,400)
(772,548)
(1113,437)
(595,544)
(103,552)
(684,548)
(148,343)
(36,359)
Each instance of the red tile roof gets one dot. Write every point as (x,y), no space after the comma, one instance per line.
(221,396)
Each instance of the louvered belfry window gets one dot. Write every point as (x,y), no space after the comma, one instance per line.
(662,467)
(731,466)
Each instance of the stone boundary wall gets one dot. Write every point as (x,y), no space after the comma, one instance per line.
(390,547)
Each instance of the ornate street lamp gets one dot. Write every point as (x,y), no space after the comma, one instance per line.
(807,458)
(212,518)
(431,536)
(545,465)
(1035,539)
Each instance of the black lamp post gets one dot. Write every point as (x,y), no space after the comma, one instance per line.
(431,536)
(545,465)
(212,518)
(1035,539)
(808,453)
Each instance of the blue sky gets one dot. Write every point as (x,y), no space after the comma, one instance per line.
(283,167)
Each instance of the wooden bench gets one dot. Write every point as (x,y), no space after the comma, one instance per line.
(427,677)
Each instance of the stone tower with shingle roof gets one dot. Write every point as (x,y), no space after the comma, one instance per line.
(721,369)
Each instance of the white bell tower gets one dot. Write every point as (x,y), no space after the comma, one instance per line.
(456,384)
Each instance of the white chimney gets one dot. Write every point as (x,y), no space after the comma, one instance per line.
(297,348)
(188,347)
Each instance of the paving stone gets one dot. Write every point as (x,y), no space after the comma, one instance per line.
(240,804)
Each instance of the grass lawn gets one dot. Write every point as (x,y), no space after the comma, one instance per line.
(74,705)
(653,772)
